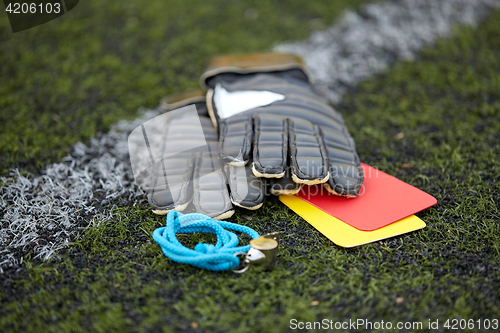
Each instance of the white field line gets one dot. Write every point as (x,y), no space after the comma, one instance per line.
(44,212)
(379,34)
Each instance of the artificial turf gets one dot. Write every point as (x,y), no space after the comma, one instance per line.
(433,122)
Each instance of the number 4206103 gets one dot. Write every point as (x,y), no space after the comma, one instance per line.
(33,8)
(485,324)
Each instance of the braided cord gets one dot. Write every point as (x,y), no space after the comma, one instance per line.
(218,257)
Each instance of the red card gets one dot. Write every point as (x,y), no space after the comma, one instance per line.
(383,199)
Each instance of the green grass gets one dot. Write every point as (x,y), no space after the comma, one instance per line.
(447,107)
(64,81)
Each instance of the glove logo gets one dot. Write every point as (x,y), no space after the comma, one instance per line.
(230,103)
(25,15)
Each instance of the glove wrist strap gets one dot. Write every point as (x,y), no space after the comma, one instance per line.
(252,63)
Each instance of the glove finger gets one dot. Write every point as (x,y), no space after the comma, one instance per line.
(308,155)
(172,191)
(284,185)
(346,175)
(210,194)
(270,150)
(247,190)
(235,140)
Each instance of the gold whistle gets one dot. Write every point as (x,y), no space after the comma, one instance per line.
(262,254)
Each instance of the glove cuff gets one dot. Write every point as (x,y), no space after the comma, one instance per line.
(252,63)
(187,97)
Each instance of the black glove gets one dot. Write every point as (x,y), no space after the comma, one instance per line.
(266,111)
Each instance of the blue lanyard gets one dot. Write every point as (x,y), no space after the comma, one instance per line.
(218,257)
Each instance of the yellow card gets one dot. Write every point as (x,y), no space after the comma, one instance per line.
(342,233)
